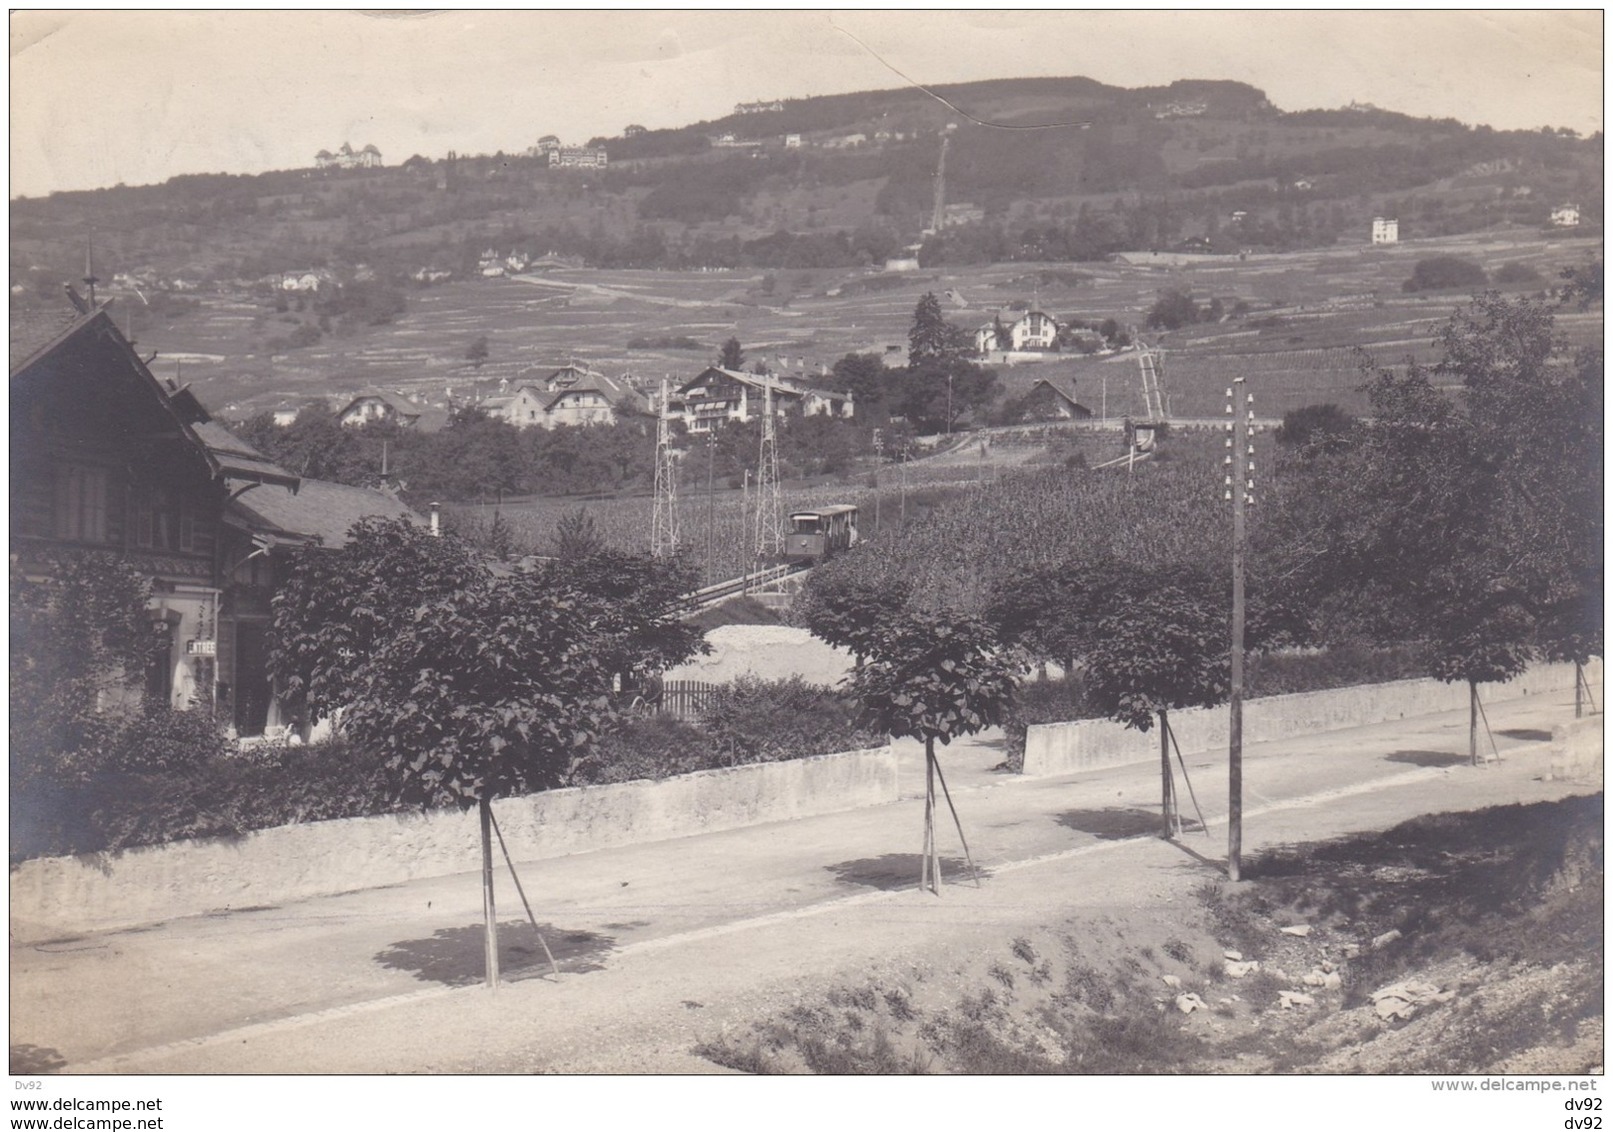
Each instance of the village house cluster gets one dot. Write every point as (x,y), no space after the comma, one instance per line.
(577,396)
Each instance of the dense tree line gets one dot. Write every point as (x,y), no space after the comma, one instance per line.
(1462,517)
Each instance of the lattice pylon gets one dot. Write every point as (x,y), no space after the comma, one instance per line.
(769,495)
(664,522)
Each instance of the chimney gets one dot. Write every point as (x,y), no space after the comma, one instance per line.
(436,519)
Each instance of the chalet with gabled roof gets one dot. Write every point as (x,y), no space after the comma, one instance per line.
(718,396)
(1047,402)
(1030,330)
(109,462)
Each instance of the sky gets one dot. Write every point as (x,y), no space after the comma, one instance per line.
(99,98)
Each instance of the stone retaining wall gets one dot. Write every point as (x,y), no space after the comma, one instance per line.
(1064,748)
(56,896)
(1577,752)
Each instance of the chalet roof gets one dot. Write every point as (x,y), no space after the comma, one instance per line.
(319,512)
(752,380)
(238,460)
(607,387)
(1044,383)
(401,404)
(225,455)
(34,328)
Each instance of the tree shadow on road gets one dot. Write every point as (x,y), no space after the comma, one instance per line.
(1428,758)
(27,1060)
(898,870)
(455,956)
(1115,823)
(1527,734)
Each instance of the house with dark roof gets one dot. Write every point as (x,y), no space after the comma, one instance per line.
(108,461)
(378,405)
(1047,402)
(280,523)
(105,460)
(719,395)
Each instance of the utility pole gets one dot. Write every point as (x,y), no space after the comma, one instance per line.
(904,489)
(879,458)
(711,509)
(1239,486)
(664,519)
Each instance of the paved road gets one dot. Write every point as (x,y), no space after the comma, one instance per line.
(662,944)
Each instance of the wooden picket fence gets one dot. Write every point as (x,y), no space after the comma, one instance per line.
(686,699)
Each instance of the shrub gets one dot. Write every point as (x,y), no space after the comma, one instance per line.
(1342,666)
(1319,422)
(754,720)
(1516,274)
(1043,701)
(168,792)
(164,739)
(655,747)
(1173,310)
(1265,674)
(1445,272)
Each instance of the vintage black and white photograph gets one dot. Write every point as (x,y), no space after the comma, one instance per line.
(788,542)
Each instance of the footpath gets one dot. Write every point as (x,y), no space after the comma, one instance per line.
(664,945)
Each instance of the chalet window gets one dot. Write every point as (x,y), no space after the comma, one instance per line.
(159,522)
(80,504)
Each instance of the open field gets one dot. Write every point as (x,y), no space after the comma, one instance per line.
(1307,312)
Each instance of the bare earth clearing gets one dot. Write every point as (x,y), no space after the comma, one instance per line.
(1467,943)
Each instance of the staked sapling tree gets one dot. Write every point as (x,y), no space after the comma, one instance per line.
(934,675)
(472,686)
(1161,644)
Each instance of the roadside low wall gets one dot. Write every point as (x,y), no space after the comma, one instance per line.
(55,896)
(1576,751)
(1064,748)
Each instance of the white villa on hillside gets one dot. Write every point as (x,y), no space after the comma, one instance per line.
(1033,329)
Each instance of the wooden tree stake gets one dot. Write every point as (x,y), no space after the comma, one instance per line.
(521,892)
(489,915)
(1164,779)
(967,856)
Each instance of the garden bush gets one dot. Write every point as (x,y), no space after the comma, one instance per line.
(1277,673)
(754,720)
(653,747)
(226,794)
(1445,272)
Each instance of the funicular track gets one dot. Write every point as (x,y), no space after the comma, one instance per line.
(718,592)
